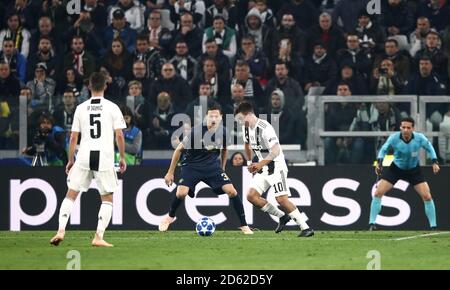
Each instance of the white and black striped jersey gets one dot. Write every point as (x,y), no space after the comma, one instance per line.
(261,138)
(96,119)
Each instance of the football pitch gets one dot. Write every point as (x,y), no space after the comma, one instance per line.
(229,250)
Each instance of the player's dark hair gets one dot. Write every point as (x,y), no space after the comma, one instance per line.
(244,108)
(97,81)
(212,106)
(409,120)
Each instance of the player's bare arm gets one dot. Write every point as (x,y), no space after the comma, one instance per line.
(436,168)
(72,145)
(223,158)
(248,154)
(274,152)
(120,139)
(169,177)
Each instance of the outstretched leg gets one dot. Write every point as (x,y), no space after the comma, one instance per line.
(238,207)
(64,213)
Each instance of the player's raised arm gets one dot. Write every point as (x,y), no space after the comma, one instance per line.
(120,140)
(173,164)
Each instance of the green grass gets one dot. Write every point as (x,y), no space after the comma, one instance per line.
(228,250)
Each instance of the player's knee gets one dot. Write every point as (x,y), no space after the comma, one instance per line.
(427,197)
(181,194)
(379,194)
(282,200)
(252,196)
(232,193)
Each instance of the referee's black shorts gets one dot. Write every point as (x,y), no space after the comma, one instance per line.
(392,174)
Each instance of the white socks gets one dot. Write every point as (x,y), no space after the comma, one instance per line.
(271,209)
(300,219)
(104,216)
(64,213)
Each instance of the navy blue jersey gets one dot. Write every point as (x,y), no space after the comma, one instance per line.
(202,147)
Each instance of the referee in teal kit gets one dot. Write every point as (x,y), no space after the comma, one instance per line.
(406,145)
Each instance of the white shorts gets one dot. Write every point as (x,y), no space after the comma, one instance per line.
(80,179)
(262,182)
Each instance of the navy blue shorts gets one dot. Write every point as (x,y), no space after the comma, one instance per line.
(393,173)
(214,178)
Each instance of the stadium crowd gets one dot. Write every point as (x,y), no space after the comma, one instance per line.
(165,54)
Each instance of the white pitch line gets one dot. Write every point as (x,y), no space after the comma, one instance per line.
(421,236)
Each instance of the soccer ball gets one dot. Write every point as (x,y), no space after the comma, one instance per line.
(205,227)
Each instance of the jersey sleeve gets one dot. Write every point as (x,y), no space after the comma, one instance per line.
(388,144)
(426,144)
(270,136)
(118,121)
(76,126)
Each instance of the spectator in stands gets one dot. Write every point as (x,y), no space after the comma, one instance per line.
(225,8)
(17,62)
(119,64)
(64,114)
(26,10)
(72,82)
(304,11)
(43,89)
(79,59)
(212,51)
(436,11)
(432,51)
(331,35)
(116,91)
(6,140)
(418,36)
(120,28)
(385,80)
(254,56)
(446,45)
(286,29)
(347,74)
(53,140)
(280,114)
(98,13)
(59,15)
(159,37)
(220,87)
(139,108)
(19,34)
(237,97)
(161,117)
(267,15)
(346,13)
(47,29)
(371,35)
(319,68)
(134,13)
(184,63)
(253,90)
(92,35)
(194,7)
(397,18)
(133,138)
(178,89)
(401,61)
(191,34)
(149,55)
(427,83)
(291,58)
(291,89)
(339,117)
(224,36)
(140,75)
(255,27)
(238,160)
(355,56)
(46,54)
